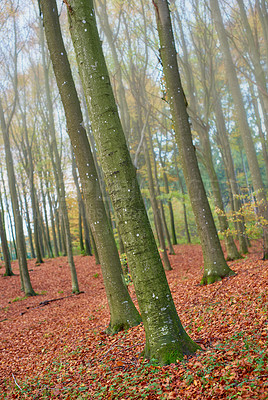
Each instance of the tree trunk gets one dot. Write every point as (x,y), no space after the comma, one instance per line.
(242,119)
(51,212)
(166,340)
(20,239)
(215,266)
(29,229)
(225,145)
(61,187)
(122,310)
(4,244)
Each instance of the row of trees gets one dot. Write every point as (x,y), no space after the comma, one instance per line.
(116,156)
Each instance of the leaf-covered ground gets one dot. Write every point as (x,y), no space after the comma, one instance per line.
(59,350)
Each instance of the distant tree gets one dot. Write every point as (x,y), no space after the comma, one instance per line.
(4,244)
(241,116)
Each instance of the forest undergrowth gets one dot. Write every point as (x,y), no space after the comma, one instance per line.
(59,349)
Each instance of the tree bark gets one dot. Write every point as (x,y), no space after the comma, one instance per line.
(58,172)
(20,239)
(215,266)
(166,340)
(122,310)
(4,245)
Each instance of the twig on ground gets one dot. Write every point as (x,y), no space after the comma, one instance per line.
(17,382)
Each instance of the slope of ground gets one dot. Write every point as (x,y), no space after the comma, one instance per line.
(59,349)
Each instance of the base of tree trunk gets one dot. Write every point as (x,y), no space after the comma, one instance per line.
(30,294)
(122,326)
(9,273)
(211,277)
(232,257)
(171,352)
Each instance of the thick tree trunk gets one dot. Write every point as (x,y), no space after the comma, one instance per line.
(166,339)
(215,266)
(122,310)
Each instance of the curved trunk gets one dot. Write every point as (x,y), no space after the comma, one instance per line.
(122,310)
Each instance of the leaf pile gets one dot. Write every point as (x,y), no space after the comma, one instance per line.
(59,349)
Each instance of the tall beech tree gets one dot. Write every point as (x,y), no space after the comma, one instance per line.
(20,239)
(215,266)
(241,117)
(57,168)
(166,340)
(123,313)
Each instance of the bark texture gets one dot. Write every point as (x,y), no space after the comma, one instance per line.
(215,266)
(122,310)
(166,339)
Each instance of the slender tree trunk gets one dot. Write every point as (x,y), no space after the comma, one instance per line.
(215,266)
(20,239)
(82,215)
(166,340)
(61,187)
(10,221)
(4,245)
(186,226)
(242,119)
(156,211)
(51,211)
(50,251)
(122,310)
(171,213)
(29,229)
(158,193)
(225,145)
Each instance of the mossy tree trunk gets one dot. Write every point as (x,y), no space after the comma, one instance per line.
(166,339)
(122,310)
(215,266)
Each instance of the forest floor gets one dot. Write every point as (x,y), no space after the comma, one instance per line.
(59,349)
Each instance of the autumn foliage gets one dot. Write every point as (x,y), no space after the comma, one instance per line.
(59,349)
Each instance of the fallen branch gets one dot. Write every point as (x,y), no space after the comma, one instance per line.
(46,302)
